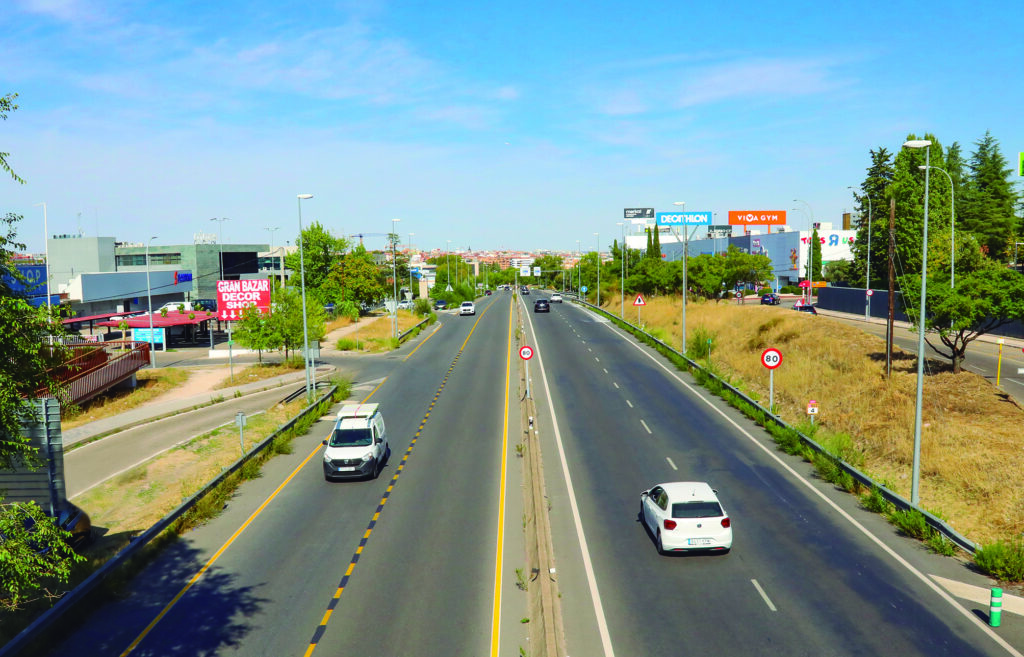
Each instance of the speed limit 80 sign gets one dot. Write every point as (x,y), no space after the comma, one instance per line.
(771,358)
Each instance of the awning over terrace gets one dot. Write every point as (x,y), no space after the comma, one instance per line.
(173,318)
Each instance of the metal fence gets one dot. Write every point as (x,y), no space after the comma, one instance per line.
(891,496)
(81,592)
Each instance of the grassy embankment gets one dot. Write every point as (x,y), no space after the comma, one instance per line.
(374,334)
(972,461)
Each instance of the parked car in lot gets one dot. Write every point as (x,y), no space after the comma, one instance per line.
(541,306)
(686,515)
(358,445)
(771,299)
(556,298)
(405,304)
(440,304)
(467,308)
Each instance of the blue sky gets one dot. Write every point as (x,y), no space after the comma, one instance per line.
(522,125)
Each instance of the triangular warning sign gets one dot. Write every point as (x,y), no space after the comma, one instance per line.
(639,301)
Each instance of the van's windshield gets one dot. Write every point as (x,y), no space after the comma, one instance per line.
(351,438)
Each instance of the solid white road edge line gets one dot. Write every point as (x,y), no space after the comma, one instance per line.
(588,566)
(861,528)
(764,595)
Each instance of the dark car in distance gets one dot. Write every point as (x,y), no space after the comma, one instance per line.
(771,299)
(804,307)
(440,304)
(541,306)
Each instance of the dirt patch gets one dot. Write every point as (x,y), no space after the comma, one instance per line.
(199,380)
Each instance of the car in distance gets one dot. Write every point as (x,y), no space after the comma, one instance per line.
(541,306)
(556,298)
(467,308)
(805,307)
(684,516)
(440,304)
(405,304)
(358,445)
(771,299)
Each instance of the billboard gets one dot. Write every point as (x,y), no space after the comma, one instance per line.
(637,213)
(536,271)
(234,296)
(757,217)
(524,270)
(684,218)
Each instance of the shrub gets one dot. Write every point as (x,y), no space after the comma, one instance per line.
(1003,560)
(347,344)
(939,544)
(701,343)
(911,522)
(421,307)
(875,501)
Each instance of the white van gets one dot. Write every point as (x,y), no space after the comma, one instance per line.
(358,446)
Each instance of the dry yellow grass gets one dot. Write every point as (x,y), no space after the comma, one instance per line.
(133,501)
(151,384)
(374,335)
(258,372)
(972,454)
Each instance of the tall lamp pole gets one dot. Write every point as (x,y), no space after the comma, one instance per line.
(579,269)
(220,240)
(149,302)
(394,278)
(305,324)
(46,250)
(867,275)
(952,220)
(622,270)
(916,469)
(598,236)
(810,253)
(411,295)
(271,230)
(448,260)
(686,253)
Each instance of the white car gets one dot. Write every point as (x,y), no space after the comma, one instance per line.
(556,298)
(684,516)
(358,446)
(467,308)
(405,304)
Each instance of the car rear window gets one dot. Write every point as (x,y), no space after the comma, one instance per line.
(697,510)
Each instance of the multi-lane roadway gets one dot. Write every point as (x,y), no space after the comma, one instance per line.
(423,560)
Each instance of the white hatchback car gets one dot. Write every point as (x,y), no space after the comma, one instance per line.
(467,308)
(686,515)
(556,298)
(358,446)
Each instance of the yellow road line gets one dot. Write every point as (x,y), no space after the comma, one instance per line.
(496,618)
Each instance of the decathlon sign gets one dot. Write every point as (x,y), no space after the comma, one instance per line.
(684,218)
(757,217)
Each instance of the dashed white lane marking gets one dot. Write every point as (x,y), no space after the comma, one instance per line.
(597,359)
(646,427)
(764,595)
(605,369)
(615,384)
(630,403)
(671,463)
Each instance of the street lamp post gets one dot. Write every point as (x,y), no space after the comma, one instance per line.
(411,295)
(46,250)
(448,262)
(220,241)
(952,221)
(867,275)
(394,278)
(598,236)
(305,323)
(579,268)
(916,468)
(622,271)
(810,253)
(686,249)
(149,303)
(271,229)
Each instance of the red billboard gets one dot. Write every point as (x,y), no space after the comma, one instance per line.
(233,296)
(757,217)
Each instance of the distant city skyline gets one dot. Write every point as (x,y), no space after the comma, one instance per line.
(493,125)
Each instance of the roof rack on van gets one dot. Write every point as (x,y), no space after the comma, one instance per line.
(358,410)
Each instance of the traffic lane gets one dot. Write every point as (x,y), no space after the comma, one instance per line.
(277,563)
(696,458)
(428,568)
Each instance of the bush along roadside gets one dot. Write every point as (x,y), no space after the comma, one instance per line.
(1002,560)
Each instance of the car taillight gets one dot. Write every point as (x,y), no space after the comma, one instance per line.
(726,522)
(670,524)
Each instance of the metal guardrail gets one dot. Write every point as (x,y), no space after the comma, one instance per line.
(403,335)
(892,497)
(80,592)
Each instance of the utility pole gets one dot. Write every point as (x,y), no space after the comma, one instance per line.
(892,288)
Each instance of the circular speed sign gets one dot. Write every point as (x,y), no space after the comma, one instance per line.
(525,352)
(771,358)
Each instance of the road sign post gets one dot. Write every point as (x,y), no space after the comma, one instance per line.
(240,421)
(639,301)
(526,353)
(812,410)
(771,358)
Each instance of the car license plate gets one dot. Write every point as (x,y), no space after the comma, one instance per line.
(698,541)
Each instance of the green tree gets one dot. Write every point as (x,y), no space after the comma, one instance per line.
(841,271)
(656,244)
(908,190)
(6,107)
(286,319)
(34,551)
(650,244)
(358,278)
(706,275)
(257,331)
(815,260)
(987,207)
(551,268)
(874,187)
(742,268)
(320,250)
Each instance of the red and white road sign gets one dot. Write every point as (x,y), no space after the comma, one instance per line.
(639,301)
(771,358)
(870,292)
(526,352)
(812,407)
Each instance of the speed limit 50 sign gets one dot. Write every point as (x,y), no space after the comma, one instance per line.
(771,358)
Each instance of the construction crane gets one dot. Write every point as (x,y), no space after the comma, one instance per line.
(362,235)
